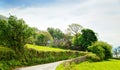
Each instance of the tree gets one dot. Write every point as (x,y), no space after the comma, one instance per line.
(75,29)
(76,42)
(82,41)
(15,33)
(44,38)
(67,40)
(58,36)
(87,38)
(56,33)
(116,51)
(102,49)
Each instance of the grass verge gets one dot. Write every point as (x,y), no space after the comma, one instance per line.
(103,65)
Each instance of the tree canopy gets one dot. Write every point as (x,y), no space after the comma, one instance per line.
(56,33)
(14,32)
(44,38)
(82,41)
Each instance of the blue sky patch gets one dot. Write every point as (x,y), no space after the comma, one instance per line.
(24,3)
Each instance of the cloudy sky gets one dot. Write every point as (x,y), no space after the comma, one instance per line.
(103,16)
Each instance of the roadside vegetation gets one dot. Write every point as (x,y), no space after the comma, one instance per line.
(9,59)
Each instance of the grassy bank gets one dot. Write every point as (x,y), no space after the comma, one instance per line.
(44,48)
(104,65)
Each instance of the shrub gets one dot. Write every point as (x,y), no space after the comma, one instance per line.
(6,53)
(9,65)
(92,57)
(101,49)
(98,50)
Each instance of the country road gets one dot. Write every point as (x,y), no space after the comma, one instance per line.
(49,66)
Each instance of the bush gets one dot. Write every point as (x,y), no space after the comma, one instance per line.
(9,65)
(6,53)
(92,57)
(98,50)
(101,49)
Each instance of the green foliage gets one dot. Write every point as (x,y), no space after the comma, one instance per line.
(76,42)
(9,65)
(6,53)
(14,33)
(101,49)
(87,38)
(82,41)
(44,38)
(56,33)
(92,57)
(98,50)
(58,37)
(31,56)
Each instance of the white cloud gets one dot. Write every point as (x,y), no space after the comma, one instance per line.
(100,15)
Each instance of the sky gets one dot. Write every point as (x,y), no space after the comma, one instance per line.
(102,16)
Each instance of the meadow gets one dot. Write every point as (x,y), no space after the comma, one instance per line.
(103,65)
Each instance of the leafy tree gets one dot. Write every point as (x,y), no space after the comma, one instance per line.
(102,49)
(56,33)
(15,33)
(40,39)
(58,36)
(87,38)
(82,41)
(75,29)
(44,38)
(76,42)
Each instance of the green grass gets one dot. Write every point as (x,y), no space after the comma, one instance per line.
(44,48)
(104,65)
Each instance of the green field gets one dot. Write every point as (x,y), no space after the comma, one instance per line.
(44,48)
(104,65)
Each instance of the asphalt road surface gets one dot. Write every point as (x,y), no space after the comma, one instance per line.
(49,66)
